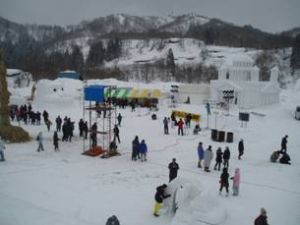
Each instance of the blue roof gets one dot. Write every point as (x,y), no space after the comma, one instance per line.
(94,93)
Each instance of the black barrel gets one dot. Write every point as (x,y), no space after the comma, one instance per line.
(214,134)
(229,137)
(221,136)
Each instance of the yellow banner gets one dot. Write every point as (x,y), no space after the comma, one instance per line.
(181,114)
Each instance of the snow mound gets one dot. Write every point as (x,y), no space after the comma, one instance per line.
(193,205)
(61,90)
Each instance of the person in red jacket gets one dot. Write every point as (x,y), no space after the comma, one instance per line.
(180,126)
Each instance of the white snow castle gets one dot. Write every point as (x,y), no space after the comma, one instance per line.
(239,78)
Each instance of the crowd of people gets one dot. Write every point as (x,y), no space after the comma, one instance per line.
(139,149)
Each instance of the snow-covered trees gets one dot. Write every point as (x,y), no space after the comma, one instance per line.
(295,57)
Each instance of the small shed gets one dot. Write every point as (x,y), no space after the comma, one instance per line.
(69,74)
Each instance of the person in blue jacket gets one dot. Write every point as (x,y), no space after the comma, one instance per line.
(143,150)
(200,151)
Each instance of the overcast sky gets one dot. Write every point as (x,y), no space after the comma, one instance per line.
(267,15)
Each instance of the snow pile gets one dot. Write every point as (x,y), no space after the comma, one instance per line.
(193,204)
(297,86)
(60,91)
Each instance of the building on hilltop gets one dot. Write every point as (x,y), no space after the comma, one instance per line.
(238,83)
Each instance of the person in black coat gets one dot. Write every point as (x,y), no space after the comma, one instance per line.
(262,218)
(219,154)
(81,127)
(135,148)
(226,157)
(284,143)
(58,121)
(241,148)
(116,133)
(224,181)
(285,158)
(119,118)
(55,141)
(46,116)
(173,169)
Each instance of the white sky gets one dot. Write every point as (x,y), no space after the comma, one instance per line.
(268,15)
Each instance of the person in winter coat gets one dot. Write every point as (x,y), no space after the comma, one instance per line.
(58,122)
(2,148)
(81,127)
(200,151)
(116,133)
(119,118)
(39,139)
(143,150)
(55,141)
(135,148)
(226,157)
(93,134)
(113,220)
(285,158)
(166,125)
(241,148)
(173,169)
(45,116)
(284,143)
(48,124)
(224,181)
(208,156)
(262,218)
(236,182)
(180,125)
(160,195)
(275,155)
(219,154)
(85,129)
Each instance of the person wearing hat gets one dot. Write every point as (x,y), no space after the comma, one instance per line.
(2,147)
(262,218)
(284,143)
(160,195)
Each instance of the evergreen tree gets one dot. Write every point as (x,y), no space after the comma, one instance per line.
(113,49)
(77,61)
(170,63)
(96,54)
(295,57)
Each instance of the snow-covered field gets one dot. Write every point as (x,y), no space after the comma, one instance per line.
(67,188)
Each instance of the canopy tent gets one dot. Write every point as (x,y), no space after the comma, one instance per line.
(123,93)
(134,93)
(156,93)
(144,93)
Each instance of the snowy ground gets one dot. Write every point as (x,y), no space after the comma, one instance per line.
(67,188)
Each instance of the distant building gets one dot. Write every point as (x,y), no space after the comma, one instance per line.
(69,74)
(238,77)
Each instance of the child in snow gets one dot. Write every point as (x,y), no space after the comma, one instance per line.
(143,150)
(39,139)
(236,182)
(200,151)
(224,181)
(262,218)
(208,156)
(160,195)
(55,141)
(219,154)
(135,148)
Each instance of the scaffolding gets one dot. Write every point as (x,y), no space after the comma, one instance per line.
(102,113)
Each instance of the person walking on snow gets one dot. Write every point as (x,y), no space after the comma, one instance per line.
(208,156)
(116,133)
(2,148)
(55,141)
(143,150)
(284,144)
(200,151)
(39,139)
(119,118)
(173,169)
(135,148)
(262,218)
(48,124)
(58,122)
(241,148)
(224,181)
(236,182)
(166,125)
(219,154)
(226,157)
(180,125)
(160,195)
